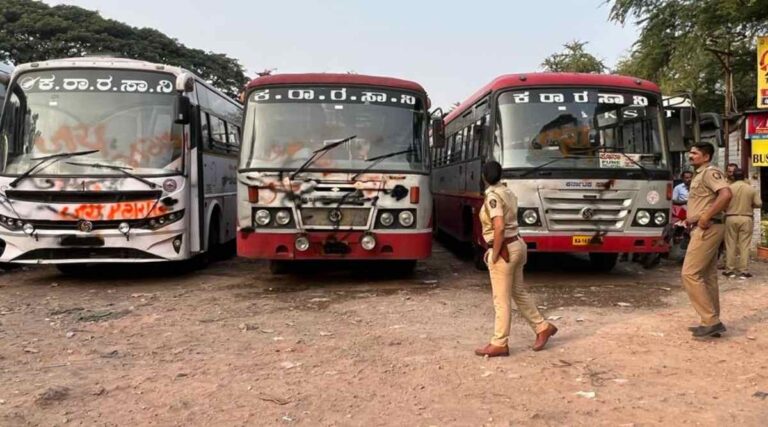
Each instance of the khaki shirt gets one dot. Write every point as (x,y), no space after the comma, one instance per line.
(745,199)
(499,201)
(707,181)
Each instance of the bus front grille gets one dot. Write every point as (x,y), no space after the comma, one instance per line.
(587,210)
(325,218)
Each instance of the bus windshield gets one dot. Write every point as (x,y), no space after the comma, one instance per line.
(284,126)
(126,115)
(579,128)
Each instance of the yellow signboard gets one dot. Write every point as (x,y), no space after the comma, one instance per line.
(762,72)
(759,152)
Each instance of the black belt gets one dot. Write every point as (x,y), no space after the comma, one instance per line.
(507,240)
(749,216)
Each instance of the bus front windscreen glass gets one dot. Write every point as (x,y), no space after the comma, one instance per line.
(126,115)
(579,128)
(286,125)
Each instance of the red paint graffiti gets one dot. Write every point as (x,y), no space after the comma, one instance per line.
(86,137)
(113,211)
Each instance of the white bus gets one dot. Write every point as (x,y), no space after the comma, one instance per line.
(115,160)
(4,76)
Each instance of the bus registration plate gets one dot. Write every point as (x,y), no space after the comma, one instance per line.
(581,240)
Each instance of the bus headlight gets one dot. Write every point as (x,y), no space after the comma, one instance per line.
(262,217)
(659,218)
(386,219)
(643,217)
(282,217)
(301,243)
(28,229)
(405,218)
(368,242)
(124,228)
(530,216)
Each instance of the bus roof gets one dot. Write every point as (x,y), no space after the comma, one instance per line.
(334,79)
(100,62)
(552,79)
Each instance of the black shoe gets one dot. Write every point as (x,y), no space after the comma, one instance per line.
(696,328)
(709,331)
(745,275)
(729,274)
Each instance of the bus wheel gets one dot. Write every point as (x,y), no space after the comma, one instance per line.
(651,260)
(278,267)
(71,269)
(477,258)
(406,268)
(603,261)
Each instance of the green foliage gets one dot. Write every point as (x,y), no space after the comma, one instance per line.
(574,59)
(683,43)
(33,31)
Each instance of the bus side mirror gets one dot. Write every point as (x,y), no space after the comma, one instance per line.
(438,133)
(686,124)
(182,110)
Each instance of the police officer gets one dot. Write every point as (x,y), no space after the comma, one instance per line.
(708,198)
(505,258)
(738,226)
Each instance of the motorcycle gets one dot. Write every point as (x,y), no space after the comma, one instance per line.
(680,230)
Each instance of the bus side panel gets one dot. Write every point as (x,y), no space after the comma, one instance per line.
(220,189)
(195,181)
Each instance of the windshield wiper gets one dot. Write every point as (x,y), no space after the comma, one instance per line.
(534,169)
(44,159)
(122,169)
(377,159)
(319,153)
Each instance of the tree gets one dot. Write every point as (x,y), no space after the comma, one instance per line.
(574,59)
(706,47)
(33,31)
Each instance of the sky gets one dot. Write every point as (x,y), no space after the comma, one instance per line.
(452,48)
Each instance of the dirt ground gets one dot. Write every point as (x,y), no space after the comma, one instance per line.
(234,345)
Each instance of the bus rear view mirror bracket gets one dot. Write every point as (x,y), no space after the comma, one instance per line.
(182,110)
(438,133)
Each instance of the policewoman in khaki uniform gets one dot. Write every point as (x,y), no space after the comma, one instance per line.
(708,198)
(738,226)
(505,258)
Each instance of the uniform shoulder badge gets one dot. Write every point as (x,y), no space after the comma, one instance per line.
(492,203)
(717,175)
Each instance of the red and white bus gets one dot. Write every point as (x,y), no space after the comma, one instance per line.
(334,166)
(586,155)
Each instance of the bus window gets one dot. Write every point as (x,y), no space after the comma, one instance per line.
(218,132)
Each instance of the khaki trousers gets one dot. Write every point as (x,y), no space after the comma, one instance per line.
(507,283)
(738,238)
(699,272)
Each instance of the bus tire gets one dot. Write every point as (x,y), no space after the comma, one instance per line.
(399,268)
(278,267)
(211,250)
(478,255)
(603,262)
(71,269)
(651,260)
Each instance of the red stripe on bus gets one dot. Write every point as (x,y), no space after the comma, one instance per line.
(280,246)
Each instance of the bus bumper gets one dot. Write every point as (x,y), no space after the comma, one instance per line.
(334,245)
(52,247)
(615,244)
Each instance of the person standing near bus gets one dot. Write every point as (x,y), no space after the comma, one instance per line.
(738,226)
(505,258)
(708,198)
(680,193)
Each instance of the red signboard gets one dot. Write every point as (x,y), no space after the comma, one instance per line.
(757,125)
